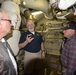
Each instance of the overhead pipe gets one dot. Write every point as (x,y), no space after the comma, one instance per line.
(41,5)
(35,15)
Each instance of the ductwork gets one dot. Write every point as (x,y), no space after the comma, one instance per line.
(31,14)
(41,5)
(64,4)
(26,12)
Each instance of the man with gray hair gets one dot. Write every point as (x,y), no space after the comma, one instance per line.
(8,65)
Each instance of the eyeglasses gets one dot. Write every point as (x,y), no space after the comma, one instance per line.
(6,20)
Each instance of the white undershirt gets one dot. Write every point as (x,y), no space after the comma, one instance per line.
(13,60)
(33,32)
(11,56)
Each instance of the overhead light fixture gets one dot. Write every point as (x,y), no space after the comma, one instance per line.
(37,12)
(23,4)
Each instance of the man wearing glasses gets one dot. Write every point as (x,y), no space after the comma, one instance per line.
(8,65)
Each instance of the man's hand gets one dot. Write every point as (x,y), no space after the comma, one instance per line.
(43,54)
(29,39)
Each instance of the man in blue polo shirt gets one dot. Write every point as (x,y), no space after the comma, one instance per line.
(32,43)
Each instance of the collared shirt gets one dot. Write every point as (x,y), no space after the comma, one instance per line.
(11,56)
(35,45)
(68,56)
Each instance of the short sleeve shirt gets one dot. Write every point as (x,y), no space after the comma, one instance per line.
(33,46)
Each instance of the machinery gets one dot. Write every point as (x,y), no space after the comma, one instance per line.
(44,12)
(50,17)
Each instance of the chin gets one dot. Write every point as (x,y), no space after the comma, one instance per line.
(31,30)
